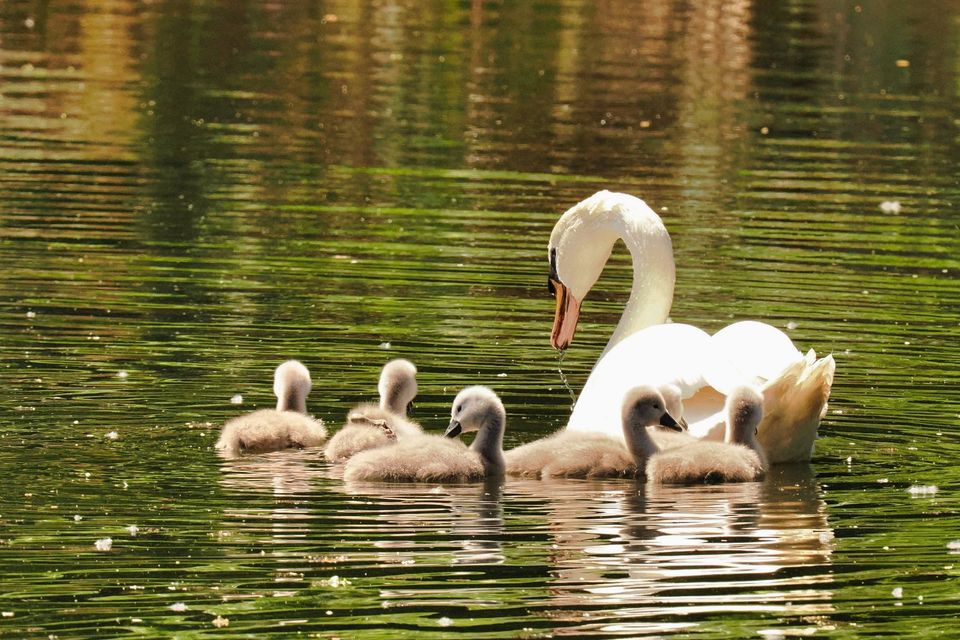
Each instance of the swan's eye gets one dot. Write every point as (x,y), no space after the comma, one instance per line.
(459,408)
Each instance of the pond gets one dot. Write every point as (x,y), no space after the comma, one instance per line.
(192,192)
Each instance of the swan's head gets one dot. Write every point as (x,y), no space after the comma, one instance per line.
(291,385)
(643,407)
(473,409)
(673,398)
(398,386)
(580,246)
(744,411)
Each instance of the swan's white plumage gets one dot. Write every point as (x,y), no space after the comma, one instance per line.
(795,388)
(658,355)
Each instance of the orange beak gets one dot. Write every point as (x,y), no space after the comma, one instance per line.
(565,319)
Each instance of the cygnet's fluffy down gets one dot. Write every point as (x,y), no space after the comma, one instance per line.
(571,454)
(582,454)
(368,425)
(271,430)
(424,458)
(431,458)
(739,459)
(286,427)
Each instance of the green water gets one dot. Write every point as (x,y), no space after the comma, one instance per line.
(192,192)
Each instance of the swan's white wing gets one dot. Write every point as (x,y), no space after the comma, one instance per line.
(747,352)
(655,355)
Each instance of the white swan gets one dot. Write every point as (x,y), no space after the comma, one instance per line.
(286,427)
(643,349)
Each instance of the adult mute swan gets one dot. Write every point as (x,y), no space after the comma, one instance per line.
(643,349)
(286,427)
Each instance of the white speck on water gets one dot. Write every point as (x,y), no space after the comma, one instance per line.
(236,399)
(179,607)
(385,345)
(77,518)
(890,206)
(335,582)
(883,480)
(7,614)
(897,592)
(220,622)
(122,374)
(136,620)
(792,325)
(87,475)
(29,23)
(103,544)
(922,491)
(953,546)
(133,530)
(112,435)
(328,612)
(849,460)
(501,375)
(125,485)
(444,621)
(31,315)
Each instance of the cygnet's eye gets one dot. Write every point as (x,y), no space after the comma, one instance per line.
(459,408)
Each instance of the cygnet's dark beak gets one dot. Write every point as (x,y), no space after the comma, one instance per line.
(667,420)
(454,429)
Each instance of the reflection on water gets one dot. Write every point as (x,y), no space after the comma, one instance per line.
(616,558)
(192,192)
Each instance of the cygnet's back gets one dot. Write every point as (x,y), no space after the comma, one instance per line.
(432,458)
(286,427)
(369,425)
(712,462)
(583,454)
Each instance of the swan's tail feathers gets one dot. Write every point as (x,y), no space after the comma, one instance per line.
(794,403)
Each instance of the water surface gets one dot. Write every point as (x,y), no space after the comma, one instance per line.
(192,192)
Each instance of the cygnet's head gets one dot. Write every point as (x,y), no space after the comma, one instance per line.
(473,409)
(673,397)
(398,386)
(291,384)
(644,406)
(744,411)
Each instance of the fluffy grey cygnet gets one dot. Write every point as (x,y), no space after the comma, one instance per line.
(368,425)
(433,458)
(286,427)
(583,454)
(738,459)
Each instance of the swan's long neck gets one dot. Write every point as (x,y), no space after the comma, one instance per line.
(640,445)
(292,400)
(393,403)
(489,443)
(654,274)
